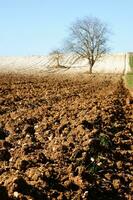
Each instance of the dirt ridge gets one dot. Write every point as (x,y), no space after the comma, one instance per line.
(65,138)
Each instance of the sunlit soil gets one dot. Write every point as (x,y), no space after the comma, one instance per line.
(65,137)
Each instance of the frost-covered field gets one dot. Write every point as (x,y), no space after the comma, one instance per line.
(111,63)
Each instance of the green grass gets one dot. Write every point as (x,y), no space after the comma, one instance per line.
(129,80)
(129,76)
(131,61)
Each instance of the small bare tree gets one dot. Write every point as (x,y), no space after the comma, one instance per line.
(56,57)
(88,38)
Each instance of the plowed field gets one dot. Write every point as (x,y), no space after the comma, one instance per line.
(65,138)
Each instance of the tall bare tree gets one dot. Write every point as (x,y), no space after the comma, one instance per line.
(88,39)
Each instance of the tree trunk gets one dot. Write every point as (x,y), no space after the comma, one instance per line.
(90,69)
(91,63)
(58,63)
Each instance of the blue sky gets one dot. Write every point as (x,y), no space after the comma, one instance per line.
(36,27)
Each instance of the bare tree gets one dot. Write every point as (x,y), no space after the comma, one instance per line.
(56,57)
(88,39)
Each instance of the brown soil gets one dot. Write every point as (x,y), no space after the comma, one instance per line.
(65,138)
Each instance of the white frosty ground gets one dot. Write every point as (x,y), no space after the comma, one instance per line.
(110,63)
